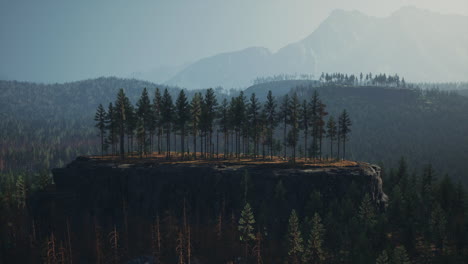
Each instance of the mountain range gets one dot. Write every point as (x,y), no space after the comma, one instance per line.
(417,44)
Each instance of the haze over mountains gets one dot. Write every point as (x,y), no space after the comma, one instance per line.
(417,44)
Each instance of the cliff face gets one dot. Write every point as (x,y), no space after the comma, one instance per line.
(93,198)
(148,188)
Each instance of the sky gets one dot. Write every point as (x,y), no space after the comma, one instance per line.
(64,40)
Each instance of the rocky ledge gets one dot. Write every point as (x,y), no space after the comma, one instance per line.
(149,187)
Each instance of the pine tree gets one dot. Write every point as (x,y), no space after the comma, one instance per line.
(294,114)
(314,107)
(20,192)
(238,118)
(121,108)
(254,120)
(271,119)
(331,133)
(111,127)
(284,116)
(314,252)
(400,256)
(305,122)
(224,122)
(141,137)
(320,125)
(246,228)
(270,110)
(344,129)
(145,116)
(295,242)
(167,114)
(157,116)
(210,104)
(130,126)
(382,258)
(195,113)
(182,116)
(438,225)
(100,119)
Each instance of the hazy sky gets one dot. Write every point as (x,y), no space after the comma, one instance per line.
(56,41)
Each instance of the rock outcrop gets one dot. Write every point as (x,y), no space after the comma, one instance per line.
(153,187)
(93,198)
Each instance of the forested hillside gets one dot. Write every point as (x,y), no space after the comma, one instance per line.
(48,125)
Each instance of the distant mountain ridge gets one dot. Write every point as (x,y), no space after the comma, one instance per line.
(417,44)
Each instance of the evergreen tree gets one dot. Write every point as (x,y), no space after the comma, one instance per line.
(270,110)
(314,107)
(254,121)
(167,114)
(400,256)
(224,121)
(209,110)
(294,114)
(295,241)
(100,119)
(195,113)
(438,225)
(121,107)
(314,252)
(383,258)
(238,113)
(111,125)
(157,116)
(145,116)
(130,125)
(331,133)
(284,116)
(305,122)
(320,125)
(182,116)
(20,192)
(246,227)
(344,129)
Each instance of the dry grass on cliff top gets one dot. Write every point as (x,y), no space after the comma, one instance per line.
(177,159)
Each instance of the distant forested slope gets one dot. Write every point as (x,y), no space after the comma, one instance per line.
(45,126)
(425,126)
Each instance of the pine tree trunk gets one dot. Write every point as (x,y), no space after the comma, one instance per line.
(305,144)
(217,144)
(195,144)
(182,139)
(284,138)
(168,143)
(344,148)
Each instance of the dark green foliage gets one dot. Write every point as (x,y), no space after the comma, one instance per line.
(314,250)
(295,240)
(167,114)
(253,115)
(331,133)
(284,116)
(100,119)
(293,121)
(246,227)
(383,258)
(271,118)
(344,128)
(182,109)
(145,116)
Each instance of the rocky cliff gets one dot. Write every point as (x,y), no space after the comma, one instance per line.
(151,187)
(93,198)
